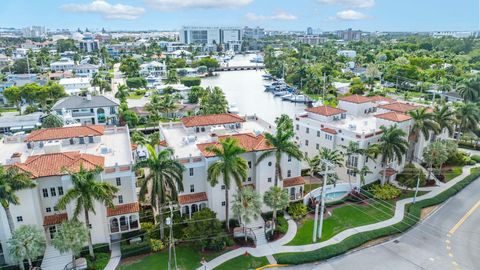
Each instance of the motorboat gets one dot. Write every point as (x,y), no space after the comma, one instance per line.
(299,99)
(232,108)
(281,93)
(287,97)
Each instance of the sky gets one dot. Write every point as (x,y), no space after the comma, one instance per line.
(367,15)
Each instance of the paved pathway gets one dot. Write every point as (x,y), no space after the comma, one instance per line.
(279,246)
(54,260)
(115,257)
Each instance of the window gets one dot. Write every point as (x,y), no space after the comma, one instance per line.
(192,188)
(52,230)
(352,172)
(19,219)
(197,129)
(60,191)
(289,159)
(249,164)
(269,164)
(202,129)
(119,181)
(45,192)
(90,139)
(71,141)
(289,173)
(318,133)
(307,130)
(112,110)
(53,192)
(249,179)
(223,203)
(120,199)
(82,140)
(328,137)
(55,209)
(306,154)
(297,127)
(269,179)
(223,187)
(48,210)
(190,171)
(317,146)
(306,142)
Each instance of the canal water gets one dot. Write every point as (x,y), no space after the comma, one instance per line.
(246,88)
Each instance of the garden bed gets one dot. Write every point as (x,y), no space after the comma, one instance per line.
(243,262)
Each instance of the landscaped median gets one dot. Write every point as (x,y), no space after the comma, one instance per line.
(412,210)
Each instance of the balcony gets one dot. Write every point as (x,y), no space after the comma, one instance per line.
(83,114)
(124,223)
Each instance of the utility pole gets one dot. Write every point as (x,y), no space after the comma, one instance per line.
(169,222)
(324,86)
(28,65)
(322,208)
(416,190)
(315,224)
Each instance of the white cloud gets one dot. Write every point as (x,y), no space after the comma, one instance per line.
(350,15)
(350,3)
(169,5)
(109,11)
(279,16)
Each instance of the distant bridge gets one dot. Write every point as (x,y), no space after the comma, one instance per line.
(234,68)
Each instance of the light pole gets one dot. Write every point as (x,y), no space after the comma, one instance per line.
(327,165)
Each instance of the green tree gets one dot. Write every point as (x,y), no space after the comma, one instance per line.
(13,95)
(27,243)
(172,77)
(130,67)
(207,62)
(214,102)
(71,236)
(282,144)
(423,124)
(196,93)
(11,181)
(164,181)
(191,81)
(363,173)
(392,146)
(435,155)
(205,226)
(167,104)
(52,121)
(445,118)
(468,118)
(122,93)
(228,166)
(85,191)
(276,198)
(247,206)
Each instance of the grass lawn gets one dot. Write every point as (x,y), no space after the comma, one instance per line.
(134,96)
(187,258)
(101,261)
(451,172)
(311,187)
(7,110)
(346,217)
(243,262)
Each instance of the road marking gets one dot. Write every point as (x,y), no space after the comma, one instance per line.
(464,218)
(450,254)
(447,241)
(449,248)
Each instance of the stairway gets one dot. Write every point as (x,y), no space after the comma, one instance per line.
(54,260)
(258,228)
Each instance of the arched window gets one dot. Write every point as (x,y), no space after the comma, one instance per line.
(186,210)
(101,115)
(202,206)
(194,208)
(114,225)
(123,223)
(133,222)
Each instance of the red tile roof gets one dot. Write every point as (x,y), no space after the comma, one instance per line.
(329,130)
(210,120)
(355,99)
(248,141)
(56,163)
(192,198)
(54,219)
(123,209)
(399,107)
(394,116)
(294,181)
(382,99)
(389,172)
(47,134)
(163,143)
(325,110)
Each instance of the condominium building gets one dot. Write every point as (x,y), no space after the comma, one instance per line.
(350,35)
(34,31)
(253,33)
(356,119)
(64,64)
(73,86)
(230,37)
(47,154)
(190,139)
(154,69)
(311,40)
(88,110)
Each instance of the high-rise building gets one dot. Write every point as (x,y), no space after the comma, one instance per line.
(33,31)
(230,37)
(350,35)
(309,31)
(253,33)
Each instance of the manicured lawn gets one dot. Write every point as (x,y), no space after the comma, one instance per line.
(7,110)
(451,172)
(135,96)
(311,187)
(101,261)
(187,258)
(348,216)
(243,262)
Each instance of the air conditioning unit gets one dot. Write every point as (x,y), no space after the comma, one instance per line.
(52,147)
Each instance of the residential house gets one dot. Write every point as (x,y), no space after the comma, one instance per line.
(153,69)
(64,64)
(85,70)
(73,86)
(97,110)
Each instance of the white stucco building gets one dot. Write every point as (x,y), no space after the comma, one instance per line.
(64,64)
(46,153)
(85,70)
(230,37)
(190,138)
(154,69)
(73,86)
(89,110)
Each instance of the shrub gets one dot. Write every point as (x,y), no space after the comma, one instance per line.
(130,250)
(140,92)
(136,82)
(408,178)
(385,192)
(476,158)
(31,109)
(282,225)
(156,245)
(460,158)
(204,224)
(297,210)
(356,240)
(190,81)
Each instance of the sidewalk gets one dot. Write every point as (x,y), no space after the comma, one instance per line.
(115,257)
(279,246)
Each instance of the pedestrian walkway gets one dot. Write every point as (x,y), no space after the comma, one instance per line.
(54,260)
(115,256)
(258,228)
(279,246)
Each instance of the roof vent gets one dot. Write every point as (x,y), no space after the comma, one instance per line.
(89,97)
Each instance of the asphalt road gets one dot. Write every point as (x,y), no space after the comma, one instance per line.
(448,239)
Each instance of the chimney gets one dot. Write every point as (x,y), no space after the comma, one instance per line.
(89,97)
(15,158)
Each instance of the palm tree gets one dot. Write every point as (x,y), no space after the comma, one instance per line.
(247,206)
(282,143)
(352,150)
(468,117)
(445,118)
(229,165)
(423,123)
(469,90)
(167,104)
(277,199)
(96,79)
(392,145)
(122,92)
(86,190)
(27,243)
(363,173)
(164,181)
(11,181)
(313,168)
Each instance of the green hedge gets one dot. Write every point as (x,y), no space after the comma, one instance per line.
(130,250)
(476,158)
(414,211)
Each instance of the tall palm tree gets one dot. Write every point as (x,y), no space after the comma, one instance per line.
(313,168)
(445,118)
(392,146)
(467,92)
(86,190)
(352,150)
(468,117)
(334,157)
(11,181)
(164,181)
(423,124)
(228,166)
(363,173)
(97,79)
(247,206)
(282,143)
(122,92)
(167,104)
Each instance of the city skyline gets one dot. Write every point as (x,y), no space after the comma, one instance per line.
(368,15)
